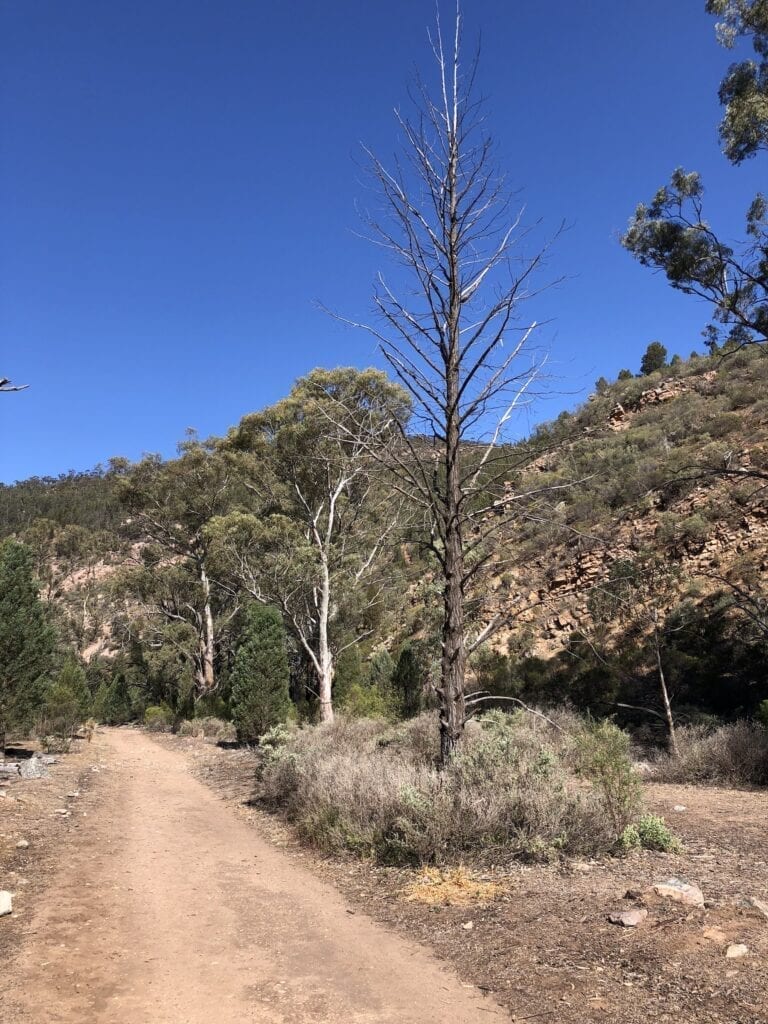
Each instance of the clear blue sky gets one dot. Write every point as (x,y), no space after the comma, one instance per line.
(178,184)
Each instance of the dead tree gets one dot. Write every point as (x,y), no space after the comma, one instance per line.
(451,332)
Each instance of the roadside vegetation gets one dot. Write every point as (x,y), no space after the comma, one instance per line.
(379,593)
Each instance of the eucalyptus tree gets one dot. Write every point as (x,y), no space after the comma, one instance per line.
(450,326)
(314,537)
(170,505)
(671,232)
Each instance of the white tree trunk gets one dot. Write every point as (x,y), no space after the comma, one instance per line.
(325,665)
(207,679)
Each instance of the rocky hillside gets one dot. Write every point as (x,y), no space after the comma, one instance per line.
(657,506)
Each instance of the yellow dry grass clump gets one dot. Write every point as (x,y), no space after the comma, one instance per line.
(455,887)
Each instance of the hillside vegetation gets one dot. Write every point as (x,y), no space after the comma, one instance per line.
(652,534)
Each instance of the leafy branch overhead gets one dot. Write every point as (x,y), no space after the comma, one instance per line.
(671,232)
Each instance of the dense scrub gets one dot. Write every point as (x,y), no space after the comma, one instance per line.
(735,754)
(519,787)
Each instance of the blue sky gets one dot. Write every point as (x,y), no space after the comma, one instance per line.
(178,185)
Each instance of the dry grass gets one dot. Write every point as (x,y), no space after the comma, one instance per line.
(455,887)
(735,754)
(518,788)
(209,728)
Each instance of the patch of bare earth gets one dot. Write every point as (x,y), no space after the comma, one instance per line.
(45,814)
(542,945)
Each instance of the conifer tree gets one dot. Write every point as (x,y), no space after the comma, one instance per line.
(260,675)
(26,640)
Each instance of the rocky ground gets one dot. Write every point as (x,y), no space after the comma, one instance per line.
(544,946)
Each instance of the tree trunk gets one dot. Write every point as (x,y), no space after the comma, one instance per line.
(673,747)
(454,652)
(325,668)
(207,679)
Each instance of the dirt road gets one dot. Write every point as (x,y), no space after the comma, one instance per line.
(169,909)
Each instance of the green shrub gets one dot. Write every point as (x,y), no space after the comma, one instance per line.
(648,833)
(655,835)
(158,718)
(60,714)
(603,756)
(361,701)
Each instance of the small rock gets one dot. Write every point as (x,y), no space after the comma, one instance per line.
(759,905)
(6,903)
(63,811)
(680,892)
(735,950)
(468,926)
(74,795)
(715,935)
(49,759)
(628,918)
(22,844)
(679,808)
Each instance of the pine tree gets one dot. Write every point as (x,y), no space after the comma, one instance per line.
(114,706)
(655,358)
(260,675)
(72,677)
(26,640)
(407,680)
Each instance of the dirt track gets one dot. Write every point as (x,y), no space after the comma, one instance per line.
(170,909)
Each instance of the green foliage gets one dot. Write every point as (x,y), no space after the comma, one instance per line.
(112,703)
(670,233)
(60,713)
(603,757)
(625,375)
(158,718)
(260,675)
(655,358)
(408,682)
(762,713)
(648,833)
(744,90)
(72,678)
(26,640)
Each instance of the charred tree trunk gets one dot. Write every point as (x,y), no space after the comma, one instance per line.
(454,651)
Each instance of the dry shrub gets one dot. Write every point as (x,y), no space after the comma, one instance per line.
(514,789)
(209,728)
(455,887)
(736,754)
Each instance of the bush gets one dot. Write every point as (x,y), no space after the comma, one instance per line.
(209,728)
(60,716)
(158,718)
(735,754)
(649,833)
(511,790)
